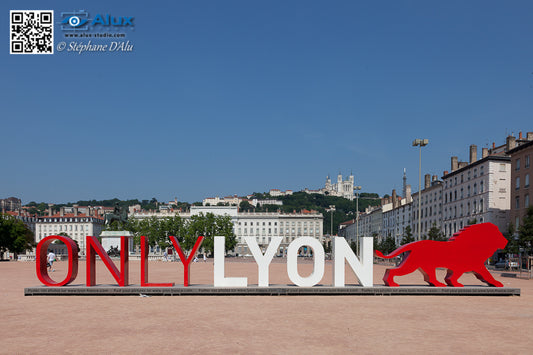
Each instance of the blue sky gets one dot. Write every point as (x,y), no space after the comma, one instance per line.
(231,97)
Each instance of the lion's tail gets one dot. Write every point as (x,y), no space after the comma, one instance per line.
(400,250)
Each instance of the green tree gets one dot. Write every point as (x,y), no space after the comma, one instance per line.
(525,231)
(436,234)
(353,246)
(245,206)
(14,236)
(157,230)
(407,236)
(513,245)
(210,226)
(388,245)
(472,221)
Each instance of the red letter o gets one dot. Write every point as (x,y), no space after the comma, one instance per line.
(42,271)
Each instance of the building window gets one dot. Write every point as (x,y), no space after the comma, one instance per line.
(517,185)
(481,187)
(526,201)
(526,165)
(517,164)
(526,181)
(502,167)
(517,202)
(481,171)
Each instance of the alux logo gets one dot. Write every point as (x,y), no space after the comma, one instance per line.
(108,20)
(79,20)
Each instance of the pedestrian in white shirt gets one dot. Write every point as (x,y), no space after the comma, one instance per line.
(51,258)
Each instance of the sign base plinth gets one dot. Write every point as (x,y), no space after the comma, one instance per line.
(273,290)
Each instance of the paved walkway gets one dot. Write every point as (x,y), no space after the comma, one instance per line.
(303,324)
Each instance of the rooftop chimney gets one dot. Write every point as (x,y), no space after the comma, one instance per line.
(75,210)
(434,178)
(394,199)
(62,211)
(445,173)
(455,163)
(408,196)
(427,181)
(520,135)
(484,153)
(50,209)
(462,164)
(529,136)
(511,143)
(473,153)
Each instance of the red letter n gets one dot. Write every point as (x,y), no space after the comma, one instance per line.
(94,246)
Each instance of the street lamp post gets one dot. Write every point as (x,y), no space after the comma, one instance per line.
(357,189)
(420,143)
(331,209)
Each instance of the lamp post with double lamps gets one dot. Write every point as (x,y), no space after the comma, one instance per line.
(419,143)
(357,189)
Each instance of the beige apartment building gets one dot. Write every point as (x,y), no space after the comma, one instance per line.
(521,190)
(478,191)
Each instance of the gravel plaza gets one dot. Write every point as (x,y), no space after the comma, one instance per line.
(260,324)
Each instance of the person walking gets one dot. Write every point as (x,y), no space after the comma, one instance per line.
(51,258)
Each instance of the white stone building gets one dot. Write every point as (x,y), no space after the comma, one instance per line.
(261,225)
(228,201)
(343,188)
(76,225)
(396,216)
(277,192)
(370,224)
(431,207)
(255,202)
(478,191)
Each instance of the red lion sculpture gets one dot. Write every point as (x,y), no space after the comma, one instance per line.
(466,251)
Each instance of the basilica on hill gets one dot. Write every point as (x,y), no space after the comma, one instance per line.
(343,188)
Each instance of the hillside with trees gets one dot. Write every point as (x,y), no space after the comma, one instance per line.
(344,208)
